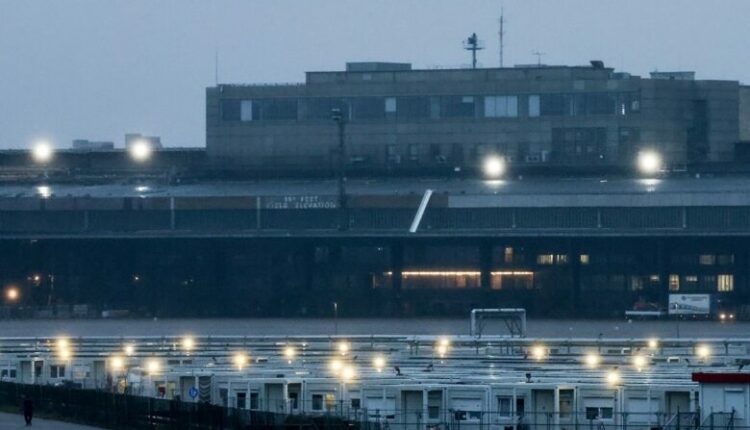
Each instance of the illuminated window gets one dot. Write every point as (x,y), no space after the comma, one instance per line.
(707,259)
(508,255)
(725,283)
(561,258)
(330,401)
(585,259)
(691,279)
(654,278)
(674,282)
(545,259)
(636,283)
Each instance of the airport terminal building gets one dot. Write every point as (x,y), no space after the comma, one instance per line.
(404,120)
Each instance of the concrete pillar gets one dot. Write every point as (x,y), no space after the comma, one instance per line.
(485,265)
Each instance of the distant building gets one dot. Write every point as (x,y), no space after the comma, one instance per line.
(91,145)
(404,119)
(154,141)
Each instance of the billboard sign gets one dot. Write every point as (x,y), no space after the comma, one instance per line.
(689,304)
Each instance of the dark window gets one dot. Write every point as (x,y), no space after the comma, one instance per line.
(317,402)
(458,106)
(413,107)
(575,145)
(254,401)
(241,397)
(230,110)
(278,109)
(552,104)
(320,108)
(368,108)
(294,400)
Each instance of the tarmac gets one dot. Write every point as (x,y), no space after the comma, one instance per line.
(13,421)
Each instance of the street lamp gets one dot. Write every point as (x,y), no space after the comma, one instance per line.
(140,150)
(12,294)
(379,363)
(240,360)
(649,162)
(592,360)
(493,167)
(338,117)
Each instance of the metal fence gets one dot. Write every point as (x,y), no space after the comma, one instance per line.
(120,411)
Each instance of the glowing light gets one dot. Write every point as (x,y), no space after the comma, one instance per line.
(442,346)
(64,354)
(653,343)
(42,152)
(539,352)
(379,363)
(117,363)
(613,377)
(639,362)
(343,347)
(703,351)
(592,360)
(12,294)
(494,167)
(433,273)
(140,150)
(188,343)
(44,191)
(649,162)
(153,366)
(289,352)
(240,360)
(335,366)
(129,349)
(63,343)
(348,373)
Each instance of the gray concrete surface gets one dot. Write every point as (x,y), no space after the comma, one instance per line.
(13,421)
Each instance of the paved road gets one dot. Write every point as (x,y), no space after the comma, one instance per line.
(11,421)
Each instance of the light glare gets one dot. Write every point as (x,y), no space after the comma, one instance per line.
(649,162)
(140,150)
(494,167)
(42,152)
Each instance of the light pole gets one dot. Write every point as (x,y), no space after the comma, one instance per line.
(338,117)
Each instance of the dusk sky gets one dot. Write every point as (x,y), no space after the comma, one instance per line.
(98,69)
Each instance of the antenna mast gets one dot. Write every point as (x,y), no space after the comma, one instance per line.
(539,56)
(500,35)
(473,44)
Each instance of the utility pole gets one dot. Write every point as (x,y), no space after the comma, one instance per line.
(338,117)
(473,44)
(500,36)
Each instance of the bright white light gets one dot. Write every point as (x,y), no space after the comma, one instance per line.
(240,360)
(188,343)
(42,152)
(289,352)
(44,191)
(493,167)
(639,362)
(63,343)
(649,162)
(140,150)
(142,188)
(613,377)
(343,347)
(348,373)
(335,366)
(653,343)
(153,366)
(117,363)
(129,349)
(538,352)
(592,359)
(703,351)
(64,354)
(378,362)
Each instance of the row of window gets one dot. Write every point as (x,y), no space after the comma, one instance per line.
(431,107)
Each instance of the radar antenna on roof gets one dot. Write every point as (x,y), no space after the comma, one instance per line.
(473,44)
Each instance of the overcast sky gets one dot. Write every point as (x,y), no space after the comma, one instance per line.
(98,69)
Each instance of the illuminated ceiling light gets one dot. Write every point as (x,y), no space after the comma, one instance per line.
(649,162)
(639,362)
(140,150)
(240,360)
(42,152)
(335,366)
(703,351)
(493,167)
(613,377)
(343,347)
(44,191)
(379,363)
(129,349)
(117,363)
(442,346)
(348,373)
(153,366)
(188,343)
(592,360)
(539,352)
(289,352)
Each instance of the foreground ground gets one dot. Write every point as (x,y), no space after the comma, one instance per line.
(13,421)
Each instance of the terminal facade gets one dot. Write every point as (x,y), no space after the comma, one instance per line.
(404,120)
